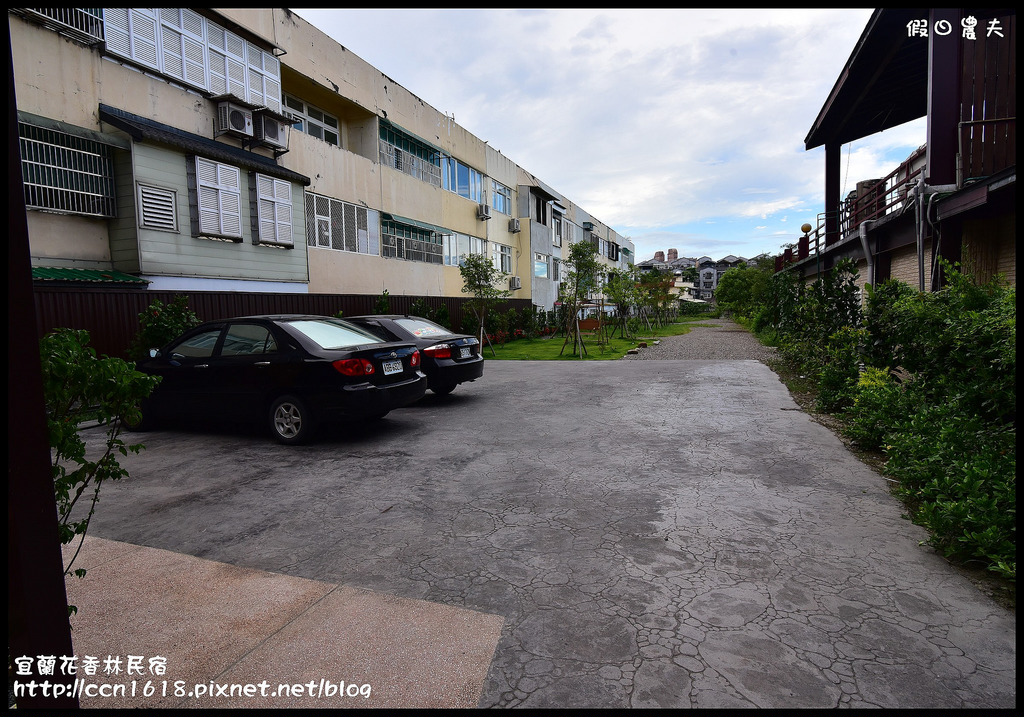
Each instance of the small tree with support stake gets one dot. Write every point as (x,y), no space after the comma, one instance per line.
(578,283)
(479,275)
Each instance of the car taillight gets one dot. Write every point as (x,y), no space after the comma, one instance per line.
(439,351)
(354,367)
(414,360)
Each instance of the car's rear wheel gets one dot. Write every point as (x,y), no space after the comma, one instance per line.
(290,420)
(443,389)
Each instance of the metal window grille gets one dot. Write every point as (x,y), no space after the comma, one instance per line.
(65,173)
(82,23)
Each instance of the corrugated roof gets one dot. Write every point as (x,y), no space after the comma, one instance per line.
(96,276)
(142,128)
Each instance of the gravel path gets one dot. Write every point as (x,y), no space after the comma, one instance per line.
(710,339)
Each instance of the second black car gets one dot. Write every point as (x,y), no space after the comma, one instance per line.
(448,358)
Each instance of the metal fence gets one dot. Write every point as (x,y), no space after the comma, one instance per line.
(111,316)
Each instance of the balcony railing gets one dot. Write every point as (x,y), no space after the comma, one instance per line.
(872,200)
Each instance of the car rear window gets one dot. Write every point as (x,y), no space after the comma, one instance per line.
(333,334)
(422,328)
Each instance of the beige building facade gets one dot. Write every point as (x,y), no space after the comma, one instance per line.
(245,150)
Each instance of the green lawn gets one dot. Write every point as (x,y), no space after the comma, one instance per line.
(549,347)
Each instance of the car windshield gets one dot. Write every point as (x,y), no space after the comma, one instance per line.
(331,334)
(422,328)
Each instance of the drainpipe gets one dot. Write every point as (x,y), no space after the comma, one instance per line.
(921,215)
(863,231)
(919,227)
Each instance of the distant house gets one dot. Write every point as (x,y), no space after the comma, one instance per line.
(954,197)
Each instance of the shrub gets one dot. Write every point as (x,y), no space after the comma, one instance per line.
(877,406)
(160,324)
(383,303)
(840,369)
(78,386)
(442,316)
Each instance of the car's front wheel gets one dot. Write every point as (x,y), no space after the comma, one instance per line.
(290,420)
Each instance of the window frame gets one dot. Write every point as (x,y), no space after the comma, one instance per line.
(305,119)
(227,197)
(271,211)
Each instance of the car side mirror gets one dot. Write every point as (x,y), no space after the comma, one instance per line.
(153,353)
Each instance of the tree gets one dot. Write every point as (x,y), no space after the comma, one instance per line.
(579,281)
(622,291)
(479,275)
(741,290)
(78,386)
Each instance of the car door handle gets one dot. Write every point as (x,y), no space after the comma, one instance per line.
(262,363)
(202,365)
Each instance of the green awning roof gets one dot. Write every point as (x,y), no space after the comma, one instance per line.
(95,276)
(414,223)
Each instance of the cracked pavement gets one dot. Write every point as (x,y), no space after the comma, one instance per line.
(654,534)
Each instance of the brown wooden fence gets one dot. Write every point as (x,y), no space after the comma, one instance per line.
(111,316)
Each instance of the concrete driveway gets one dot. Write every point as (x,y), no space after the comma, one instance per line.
(603,534)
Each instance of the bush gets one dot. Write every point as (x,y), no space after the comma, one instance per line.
(840,369)
(957,476)
(877,406)
(160,324)
(442,316)
(78,386)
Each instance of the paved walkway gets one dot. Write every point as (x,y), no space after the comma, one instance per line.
(606,534)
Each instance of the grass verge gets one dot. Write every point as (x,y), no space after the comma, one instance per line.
(598,348)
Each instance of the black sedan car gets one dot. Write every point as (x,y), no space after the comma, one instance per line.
(291,372)
(448,358)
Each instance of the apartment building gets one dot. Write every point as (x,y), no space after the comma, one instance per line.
(243,150)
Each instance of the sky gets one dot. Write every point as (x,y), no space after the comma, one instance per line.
(680,129)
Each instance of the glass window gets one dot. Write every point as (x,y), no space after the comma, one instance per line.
(333,334)
(199,346)
(462,179)
(247,339)
(502,197)
(540,266)
(423,329)
(313,121)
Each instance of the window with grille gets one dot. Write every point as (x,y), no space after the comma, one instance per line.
(402,241)
(65,173)
(333,224)
(407,154)
(217,205)
(84,24)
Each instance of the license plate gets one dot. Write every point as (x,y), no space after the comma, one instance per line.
(392,367)
(465,352)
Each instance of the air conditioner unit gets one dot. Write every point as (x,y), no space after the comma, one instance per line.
(270,131)
(515,283)
(483,212)
(513,225)
(233,119)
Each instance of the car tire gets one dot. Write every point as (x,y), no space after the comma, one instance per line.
(290,420)
(444,389)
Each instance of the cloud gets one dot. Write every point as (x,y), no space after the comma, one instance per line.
(647,119)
